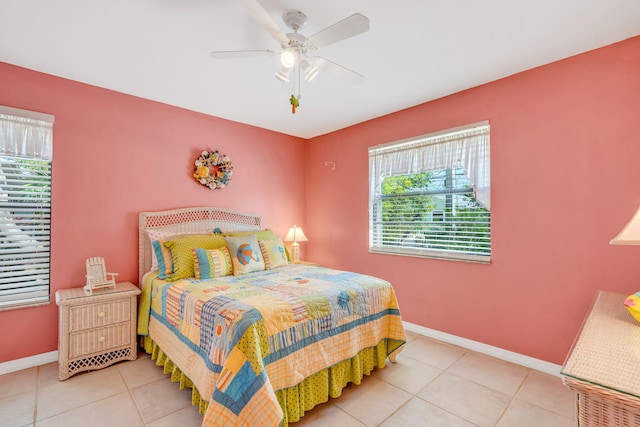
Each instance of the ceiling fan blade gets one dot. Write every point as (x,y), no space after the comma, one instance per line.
(233,54)
(338,70)
(260,15)
(348,27)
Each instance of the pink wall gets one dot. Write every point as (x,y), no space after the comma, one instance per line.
(565,153)
(116,155)
(564,174)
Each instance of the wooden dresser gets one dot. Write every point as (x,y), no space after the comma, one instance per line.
(96,330)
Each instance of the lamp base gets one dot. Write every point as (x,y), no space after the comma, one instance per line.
(295,252)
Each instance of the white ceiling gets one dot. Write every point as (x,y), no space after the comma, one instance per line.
(415,50)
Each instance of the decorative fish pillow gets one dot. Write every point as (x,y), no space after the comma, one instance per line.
(245,254)
(273,253)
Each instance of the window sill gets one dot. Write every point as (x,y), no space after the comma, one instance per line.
(431,254)
(26,305)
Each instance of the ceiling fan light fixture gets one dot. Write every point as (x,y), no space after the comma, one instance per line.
(283,75)
(310,72)
(288,58)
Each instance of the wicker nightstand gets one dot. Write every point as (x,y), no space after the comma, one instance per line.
(96,330)
(603,365)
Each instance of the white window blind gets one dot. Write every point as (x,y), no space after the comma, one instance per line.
(430,196)
(25,207)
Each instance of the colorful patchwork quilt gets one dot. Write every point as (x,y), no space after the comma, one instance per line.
(240,339)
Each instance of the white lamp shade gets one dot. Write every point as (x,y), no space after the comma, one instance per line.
(630,234)
(310,72)
(283,75)
(295,235)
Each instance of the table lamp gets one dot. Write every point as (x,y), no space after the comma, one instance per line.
(630,235)
(295,235)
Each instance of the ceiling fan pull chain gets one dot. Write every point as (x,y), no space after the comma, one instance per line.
(298,80)
(295,102)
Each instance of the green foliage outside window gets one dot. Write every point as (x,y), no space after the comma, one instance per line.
(433,210)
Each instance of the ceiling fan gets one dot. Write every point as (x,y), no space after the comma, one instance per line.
(294,47)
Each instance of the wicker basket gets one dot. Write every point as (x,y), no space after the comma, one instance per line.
(599,406)
(603,367)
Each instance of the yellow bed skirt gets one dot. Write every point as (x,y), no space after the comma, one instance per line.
(312,391)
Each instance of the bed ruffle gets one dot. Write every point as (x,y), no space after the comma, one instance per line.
(312,391)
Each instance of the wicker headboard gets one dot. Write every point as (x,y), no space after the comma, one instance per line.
(204,219)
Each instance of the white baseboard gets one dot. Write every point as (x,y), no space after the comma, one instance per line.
(509,356)
(506,355)
(28,362)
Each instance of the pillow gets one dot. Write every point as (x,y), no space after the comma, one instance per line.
(273,253)
(245,254)
(162,258)
(633,305)
(182,254)
(161,236)
(210,263)
(266,234)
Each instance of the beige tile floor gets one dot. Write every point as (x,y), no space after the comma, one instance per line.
(433,384)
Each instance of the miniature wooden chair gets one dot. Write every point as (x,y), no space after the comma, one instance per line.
(97,275)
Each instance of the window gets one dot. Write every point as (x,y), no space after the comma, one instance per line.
(25,207)
(431,196)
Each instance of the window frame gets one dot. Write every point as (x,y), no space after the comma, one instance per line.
(380,169)
(25,208)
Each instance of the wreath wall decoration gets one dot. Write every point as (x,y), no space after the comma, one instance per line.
(213,170)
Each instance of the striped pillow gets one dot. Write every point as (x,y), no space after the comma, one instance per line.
(164,262)
(211,263)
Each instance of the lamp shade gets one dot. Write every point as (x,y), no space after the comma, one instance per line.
(630,234)
(295,235)
(283,75)
(310,72)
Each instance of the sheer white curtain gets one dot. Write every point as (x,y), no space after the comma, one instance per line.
(466,147)
(26,134)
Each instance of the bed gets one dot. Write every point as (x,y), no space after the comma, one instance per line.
(258,345)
